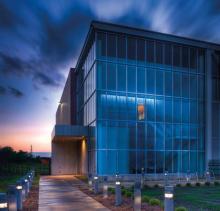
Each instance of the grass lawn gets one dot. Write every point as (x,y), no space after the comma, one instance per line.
(195,198)
(7,180)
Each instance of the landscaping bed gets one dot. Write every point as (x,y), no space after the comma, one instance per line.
(109,202)
(31,203)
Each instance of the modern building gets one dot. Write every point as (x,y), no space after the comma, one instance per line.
(139,100)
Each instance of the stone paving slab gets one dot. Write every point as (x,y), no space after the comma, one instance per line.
(60,193)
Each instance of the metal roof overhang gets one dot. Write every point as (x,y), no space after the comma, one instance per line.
(68,133)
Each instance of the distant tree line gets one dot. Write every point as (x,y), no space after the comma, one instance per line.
(9,156)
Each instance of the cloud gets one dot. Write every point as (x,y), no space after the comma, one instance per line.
(2,90)
(15,92)
(43,79)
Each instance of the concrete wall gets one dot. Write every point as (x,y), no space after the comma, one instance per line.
(69,157)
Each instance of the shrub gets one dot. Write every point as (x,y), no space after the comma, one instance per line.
(216,183)
(156,186)
(180,209)
(154,202)
(178,185)
(188,184)
(207,183)
(123,191)
(128,193)
(122,187)
(198,184)
(146,199)
(111,190)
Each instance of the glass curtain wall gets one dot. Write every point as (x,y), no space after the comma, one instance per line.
(150,106)
(215,110)
(86,102)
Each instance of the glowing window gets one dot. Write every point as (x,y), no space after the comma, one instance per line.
(140,112)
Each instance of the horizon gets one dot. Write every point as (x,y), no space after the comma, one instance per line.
(40,42)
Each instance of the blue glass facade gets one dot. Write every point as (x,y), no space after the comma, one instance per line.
(150,106)
(145,102)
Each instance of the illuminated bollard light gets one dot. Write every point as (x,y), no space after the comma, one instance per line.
(3,202)
(25,188)
(118,198)
(12,198)
(137,196)
(90,182)
(96,184)
(105,188)
(19,194)
(208,177)
(168,199)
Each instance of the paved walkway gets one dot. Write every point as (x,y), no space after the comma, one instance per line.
(60,193)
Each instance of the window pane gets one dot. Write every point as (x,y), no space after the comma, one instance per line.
(185,85)
(101,72)
(121,47)
(177,111)
(111,76)
(150,162)
(185,111)
(159,162)
(150,109)
(168,137)
(193,86)
(159,136)
(101,44)
(201,61)
(168,54)
(168,110)
(176,55)
(151,81)
(111,45)
(159,82)
(185,161)
(168,161)
(193,138)
(185,137)
(193,58)
(193,112)
(185,57)
(141,80)
(131,107)
(177,137)
(131,51)
(168,83)
(150,136)
(176,84)
(121,78)
(150,51)
(176,161)
(159,110)
(140,50)
(159,53)
(131,79)
(141,135)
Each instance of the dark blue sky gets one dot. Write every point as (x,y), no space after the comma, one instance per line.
(41,39)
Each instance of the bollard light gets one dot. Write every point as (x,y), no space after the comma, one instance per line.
(118,198)
(96,184)
(137,195)
(168,195)
(3,205)
(105,188)
(168,198)
(19,187)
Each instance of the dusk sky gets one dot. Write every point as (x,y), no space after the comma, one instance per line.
(41,39)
